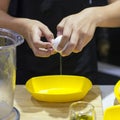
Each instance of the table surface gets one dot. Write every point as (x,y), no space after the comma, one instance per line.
(31,109)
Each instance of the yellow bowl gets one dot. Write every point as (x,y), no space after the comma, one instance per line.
(58,88)
(117,91)
(112,113)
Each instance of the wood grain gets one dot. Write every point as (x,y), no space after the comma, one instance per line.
(31,109)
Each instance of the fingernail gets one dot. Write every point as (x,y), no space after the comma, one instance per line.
(59,33)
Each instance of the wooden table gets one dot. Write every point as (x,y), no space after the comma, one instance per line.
(31,109)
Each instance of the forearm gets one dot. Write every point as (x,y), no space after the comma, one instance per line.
(108,16)
(15,24)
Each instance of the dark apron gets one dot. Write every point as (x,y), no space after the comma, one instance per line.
(51,12)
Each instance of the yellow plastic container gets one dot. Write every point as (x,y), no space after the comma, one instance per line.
(58,88)
(112,113)
(117,91)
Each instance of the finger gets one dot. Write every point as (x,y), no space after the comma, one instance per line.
(84,40)
(36,40)
(40,44)
(40,48)
(60,27)
(81,44)
(42,52)
(46,32)
(66,37)
(71,44)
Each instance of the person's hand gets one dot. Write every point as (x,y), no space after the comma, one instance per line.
(77,30)
(33,31)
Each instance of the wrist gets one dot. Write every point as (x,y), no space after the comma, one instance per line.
(98,16)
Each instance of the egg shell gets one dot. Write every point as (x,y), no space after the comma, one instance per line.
(55,43)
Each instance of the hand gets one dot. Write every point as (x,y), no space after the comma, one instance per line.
(77,30)
(33,31)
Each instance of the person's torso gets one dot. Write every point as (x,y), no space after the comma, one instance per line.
(51,12)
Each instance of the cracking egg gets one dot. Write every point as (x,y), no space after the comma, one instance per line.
(55,43)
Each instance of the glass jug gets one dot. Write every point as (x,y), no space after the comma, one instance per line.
(9,40)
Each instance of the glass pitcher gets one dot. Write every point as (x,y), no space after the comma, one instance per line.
(9,40)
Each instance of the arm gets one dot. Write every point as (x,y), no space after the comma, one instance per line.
(78,29)
(32,30)
(109,15)
(111,1)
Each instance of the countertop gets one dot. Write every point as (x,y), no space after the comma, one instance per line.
(31,109)
(101,96)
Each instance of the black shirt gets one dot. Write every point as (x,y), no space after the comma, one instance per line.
(51,12)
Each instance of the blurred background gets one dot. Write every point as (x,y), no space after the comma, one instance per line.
(108,49)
